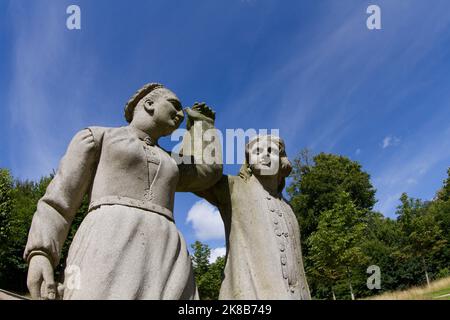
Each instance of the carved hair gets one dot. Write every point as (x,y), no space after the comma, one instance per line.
(134,100)
(285,165)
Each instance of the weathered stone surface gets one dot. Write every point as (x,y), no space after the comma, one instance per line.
(264,258)
(128,246)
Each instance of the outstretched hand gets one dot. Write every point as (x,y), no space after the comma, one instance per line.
(199,112)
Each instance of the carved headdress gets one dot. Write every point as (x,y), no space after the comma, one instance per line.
(134,100)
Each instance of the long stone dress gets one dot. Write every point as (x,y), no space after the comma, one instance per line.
(264,258)
(128,246)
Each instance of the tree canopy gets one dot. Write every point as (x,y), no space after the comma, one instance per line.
(332,197)
(342,236)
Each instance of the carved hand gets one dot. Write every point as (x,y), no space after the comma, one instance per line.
(199,112)
(40,280)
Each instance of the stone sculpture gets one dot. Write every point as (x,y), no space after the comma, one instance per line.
(264,258)
(128,246)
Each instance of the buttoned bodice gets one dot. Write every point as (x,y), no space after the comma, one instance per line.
(284,234)
(264,259)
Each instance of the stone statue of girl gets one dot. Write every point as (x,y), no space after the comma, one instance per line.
(264,257)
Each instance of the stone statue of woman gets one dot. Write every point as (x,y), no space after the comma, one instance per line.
(264,257)
(128,246)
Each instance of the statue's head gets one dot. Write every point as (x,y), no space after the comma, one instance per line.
(156,103)
(266,155)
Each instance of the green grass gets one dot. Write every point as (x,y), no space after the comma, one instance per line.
(437,295)
(435,291)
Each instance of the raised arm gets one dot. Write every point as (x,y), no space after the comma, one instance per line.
(200,165)
(219,194)
(57,208)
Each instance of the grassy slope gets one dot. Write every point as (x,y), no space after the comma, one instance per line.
(438,290)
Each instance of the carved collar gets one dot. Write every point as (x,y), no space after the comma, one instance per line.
(256,182)
(142,136)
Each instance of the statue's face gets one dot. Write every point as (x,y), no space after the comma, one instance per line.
(264,158)
(167,112)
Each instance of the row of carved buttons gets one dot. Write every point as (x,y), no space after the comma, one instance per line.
(285,272)
(277,211)
(279,233)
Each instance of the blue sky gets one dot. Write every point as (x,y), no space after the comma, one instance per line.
(310,68)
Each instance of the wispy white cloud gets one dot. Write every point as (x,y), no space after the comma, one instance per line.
(312,75)
(317,84)
(388,204)
(409,167)
(386,142)
(321,73)
(390,141)
(206,221)
(216,253)
(47,88)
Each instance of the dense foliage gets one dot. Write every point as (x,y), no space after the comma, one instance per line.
(208,276)
(342,235)
(21,197)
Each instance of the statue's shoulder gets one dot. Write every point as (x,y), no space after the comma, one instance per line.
(99,133)
(242,184)
(231,181)
(237,179)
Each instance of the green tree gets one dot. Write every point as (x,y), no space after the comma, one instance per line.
(407,211)
(426,239)
(317,183)
(6,205)
(380,246)
(440,208)
(25,195)
(23,198)
(210,282)
(423,236)
(200,258)
(440,211)
(444,193)
(336,246)
(208,276)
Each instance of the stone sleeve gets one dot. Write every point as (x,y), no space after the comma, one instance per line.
(200,166)
(57,208)
(218,194)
